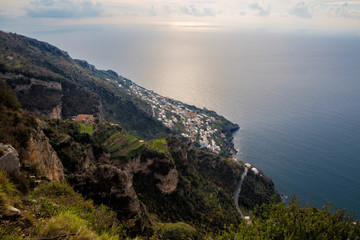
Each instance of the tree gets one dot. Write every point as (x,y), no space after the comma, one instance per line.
(8,96)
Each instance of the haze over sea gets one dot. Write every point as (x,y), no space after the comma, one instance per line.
(295,95)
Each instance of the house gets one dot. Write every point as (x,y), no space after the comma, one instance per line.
(84,118)
(255,170)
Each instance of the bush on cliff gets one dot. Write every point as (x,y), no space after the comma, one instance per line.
(8,96)
(291,221)
(174,231)
(15,126)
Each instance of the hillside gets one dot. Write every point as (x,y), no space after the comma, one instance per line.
(61,179)
(50,83)
(146,182)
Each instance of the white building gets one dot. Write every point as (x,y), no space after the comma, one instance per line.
(255,170)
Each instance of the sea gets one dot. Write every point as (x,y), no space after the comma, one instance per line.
(295,94)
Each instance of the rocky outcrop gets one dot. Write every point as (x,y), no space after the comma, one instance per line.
(169,182)
(138,166)
(85,64)
(9,161)
(113,187)
(110,183)
(56,112)
(43,158)
(42,97)
(11,211)
(74,157)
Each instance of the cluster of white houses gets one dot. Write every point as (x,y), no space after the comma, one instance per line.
(197,126)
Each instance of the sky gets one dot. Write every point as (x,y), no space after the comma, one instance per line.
(58,15)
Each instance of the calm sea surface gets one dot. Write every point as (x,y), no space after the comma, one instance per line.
(296,97)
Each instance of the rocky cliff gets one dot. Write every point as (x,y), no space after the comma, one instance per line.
(43,158)
(167,178)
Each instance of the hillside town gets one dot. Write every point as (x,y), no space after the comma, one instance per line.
(195,125)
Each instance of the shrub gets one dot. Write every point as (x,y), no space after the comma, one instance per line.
(175,231)
(291,221)
(8,96)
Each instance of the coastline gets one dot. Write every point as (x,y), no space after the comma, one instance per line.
(204,128)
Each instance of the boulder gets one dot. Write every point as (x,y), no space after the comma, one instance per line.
(11,211)
(9,161)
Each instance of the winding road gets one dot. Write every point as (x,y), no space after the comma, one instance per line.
(237,193)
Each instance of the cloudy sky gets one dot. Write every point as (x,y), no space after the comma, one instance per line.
(331,15)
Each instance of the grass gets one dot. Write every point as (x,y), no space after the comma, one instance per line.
(121,145)
(86,128)
(130,138)
(17,66)
(56,211)
(68,225)
(8,192)
(68,215)
(159,145)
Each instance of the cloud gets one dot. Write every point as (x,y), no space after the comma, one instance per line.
(300,10)
(152,11)
(242,13)
(166,9)
(343,11)
(64,9)
(209,12)
(261,10)
(193,11)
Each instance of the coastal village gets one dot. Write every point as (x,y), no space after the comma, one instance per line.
(194,125)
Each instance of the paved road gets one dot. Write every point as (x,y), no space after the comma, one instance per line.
(237,193)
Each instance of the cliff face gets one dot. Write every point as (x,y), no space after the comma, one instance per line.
(42,97)
(43,158)
(106,184)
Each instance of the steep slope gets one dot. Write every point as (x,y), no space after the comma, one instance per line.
(50,83)
(147,191)
(159,180)
(146,182)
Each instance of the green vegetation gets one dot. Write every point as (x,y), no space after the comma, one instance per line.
(122,145)
(55,211)
(69,140)
(84,89)
(67,225)
(158,188)
(291,221)
(159,145)
(61,201)
(8,96)
(15,126)
(86,128)
(201,202)
(175,231)
(8,192)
